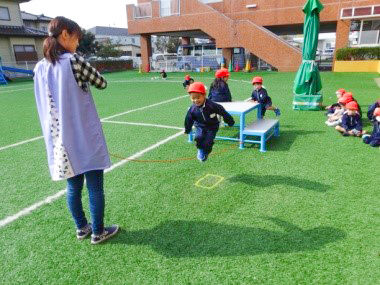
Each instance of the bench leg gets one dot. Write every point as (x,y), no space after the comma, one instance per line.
(241,141)
(277,130)
(262,143)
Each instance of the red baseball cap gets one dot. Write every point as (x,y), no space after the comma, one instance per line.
(220,73)
(187,77)
(257,79)
(352,105)
(197,87)
(347,97)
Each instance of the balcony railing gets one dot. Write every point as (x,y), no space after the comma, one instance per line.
(143,10)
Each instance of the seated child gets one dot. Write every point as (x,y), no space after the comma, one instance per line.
(351,121)
(163,74)
(219,90)
(260,95)
(335,118)
(188,81)
(339,93)
(203,114)
(371,109)
(374,138)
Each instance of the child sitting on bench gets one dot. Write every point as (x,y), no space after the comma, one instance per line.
(260,95)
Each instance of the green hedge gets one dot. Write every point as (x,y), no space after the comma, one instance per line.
(363,53)
(112,65)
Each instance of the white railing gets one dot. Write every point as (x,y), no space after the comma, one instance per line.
(169,8)
(143,10)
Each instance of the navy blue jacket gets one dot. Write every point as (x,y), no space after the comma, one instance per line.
(206,116)
(376,131)
(371,109)
(221,93)
(187,82)
(352,122)
(262,97)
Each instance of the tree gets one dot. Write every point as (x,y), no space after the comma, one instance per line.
(108,50)
(173,44)
(87,44)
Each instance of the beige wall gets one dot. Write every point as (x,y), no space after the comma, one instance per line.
(14,13)
(5,50)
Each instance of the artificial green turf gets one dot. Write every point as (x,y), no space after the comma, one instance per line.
(305,212)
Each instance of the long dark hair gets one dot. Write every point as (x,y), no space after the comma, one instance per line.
(52,48)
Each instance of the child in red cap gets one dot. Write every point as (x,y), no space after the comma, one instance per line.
(331,109)
(187,82)
(351,121)
(374,138)
(260,95)
(203,114)
(371,109)
(219,90)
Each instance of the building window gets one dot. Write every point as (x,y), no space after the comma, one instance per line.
(133,40)
(365,32)
(4,14)
(25,53)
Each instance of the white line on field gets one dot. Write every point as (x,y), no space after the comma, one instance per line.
(59,194)
(142,108)
(9,91)
(20,143)
(130,111)
(144,124)
(146,80)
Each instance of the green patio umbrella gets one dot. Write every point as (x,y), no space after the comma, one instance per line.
(307,84)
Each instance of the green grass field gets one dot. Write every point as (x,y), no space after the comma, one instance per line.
(305,212)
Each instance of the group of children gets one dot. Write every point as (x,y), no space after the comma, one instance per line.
(205,112)
(346,117)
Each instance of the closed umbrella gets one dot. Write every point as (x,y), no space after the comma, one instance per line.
(307,84)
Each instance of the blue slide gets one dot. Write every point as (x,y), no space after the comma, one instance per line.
(3,80)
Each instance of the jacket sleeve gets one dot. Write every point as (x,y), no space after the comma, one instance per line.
(344,122)
(228,93)
(226,117)
(371,109)
(189,122)
(359,125)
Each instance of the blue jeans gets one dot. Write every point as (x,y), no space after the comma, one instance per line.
(205,139)
(94,181)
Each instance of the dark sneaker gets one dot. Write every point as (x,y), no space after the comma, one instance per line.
(200,155)
(107,233)
(84,232)
(277,112)
(205,158)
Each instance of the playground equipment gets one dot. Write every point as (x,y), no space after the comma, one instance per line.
(3,79)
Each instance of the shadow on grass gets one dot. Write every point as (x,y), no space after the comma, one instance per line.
(270,180)
(181,238)
(286,139)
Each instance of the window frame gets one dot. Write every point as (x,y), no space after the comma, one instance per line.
(9,15)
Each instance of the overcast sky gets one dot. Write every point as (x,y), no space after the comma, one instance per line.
(87,13)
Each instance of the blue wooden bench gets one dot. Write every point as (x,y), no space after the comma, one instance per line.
(264,128)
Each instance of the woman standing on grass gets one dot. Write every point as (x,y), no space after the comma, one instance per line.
(74,139)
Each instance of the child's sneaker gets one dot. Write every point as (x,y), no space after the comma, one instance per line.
(200,155)
(277,112)
(107,233)
(84,232)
